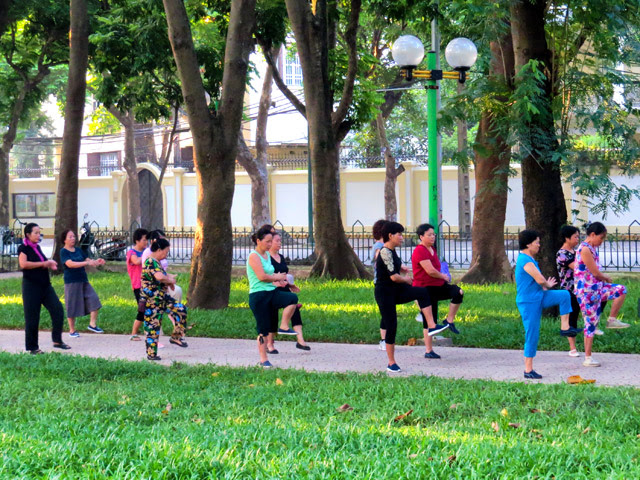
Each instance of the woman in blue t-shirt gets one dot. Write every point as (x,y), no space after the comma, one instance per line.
(534,294)
(80,297)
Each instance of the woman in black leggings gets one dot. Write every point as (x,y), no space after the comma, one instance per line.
(392,288)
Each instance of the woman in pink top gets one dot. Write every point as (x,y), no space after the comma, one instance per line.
(134,269)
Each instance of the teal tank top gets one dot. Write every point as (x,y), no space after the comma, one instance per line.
(255,284)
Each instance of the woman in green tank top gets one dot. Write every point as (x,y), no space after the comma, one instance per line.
(263,296)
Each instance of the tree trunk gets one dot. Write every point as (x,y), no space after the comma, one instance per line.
(145,142)
(127,121)
(257,167)
(391,172)
(464,196)
(67,198)
(7,144)
(544,205)
(215,140)
(489,262)
(312,30)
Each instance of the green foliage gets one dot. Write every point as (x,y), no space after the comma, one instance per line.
(93,418)
(103,122)
(338,311)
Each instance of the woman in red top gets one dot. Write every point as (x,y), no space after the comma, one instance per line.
(426,273)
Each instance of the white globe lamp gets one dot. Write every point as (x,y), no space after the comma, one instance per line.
(407,51)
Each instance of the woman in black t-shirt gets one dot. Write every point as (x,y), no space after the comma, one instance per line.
(280,266)
(392,288)
(37,291)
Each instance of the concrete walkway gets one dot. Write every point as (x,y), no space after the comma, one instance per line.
(467,363)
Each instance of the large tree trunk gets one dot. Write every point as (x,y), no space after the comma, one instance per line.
(391,172)
(489,262)
(127,121)
(543,198)
(464,195)
(313,30)
(215,140)
(7,144)
(67,198)
(4,14)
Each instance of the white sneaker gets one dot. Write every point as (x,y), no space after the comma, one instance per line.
(615,323)
(382,346)
(419,317)
(574,353)
(590,362)
(598,332)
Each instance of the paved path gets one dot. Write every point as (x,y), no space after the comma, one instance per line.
(468,363)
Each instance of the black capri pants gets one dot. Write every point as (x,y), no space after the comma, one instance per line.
(448,291)
(296,318)
(387,299)
(263,304)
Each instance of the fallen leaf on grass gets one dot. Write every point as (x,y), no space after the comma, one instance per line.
(454,406)
(451,459)
(345,408)
(514,425)
(534,410)
(586,430)
(495,426)
(411,342)
(279,382)
(404,415)
(504,412)
(506,293)
(167,409)
(215,374)
(638,436)
(251,385)
(578,380)
(413,455)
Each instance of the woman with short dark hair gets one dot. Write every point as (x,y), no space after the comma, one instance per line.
(264,298)
(392,288)
(592,287)
(154,285)
(37,291)
(533,295)
(79,296)
(565,263)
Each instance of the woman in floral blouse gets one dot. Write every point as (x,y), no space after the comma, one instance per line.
(565,261)
(154,284)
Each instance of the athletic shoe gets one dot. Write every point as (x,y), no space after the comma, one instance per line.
(382,345)
(533,375)
(74,334)
(615,323)
(266,364)
(431,354)
(95,329)
(419,317)
(574,353)
(590,362)
(598,332)
(289,331)
(154,358)
(452,327)
(437,329)
(393,368)
(570,332)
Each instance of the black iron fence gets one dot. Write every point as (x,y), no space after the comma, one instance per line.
(620,252)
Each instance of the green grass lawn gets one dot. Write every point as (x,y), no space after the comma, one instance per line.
(65,417)
(341,311)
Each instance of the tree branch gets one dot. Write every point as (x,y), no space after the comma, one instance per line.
(350,37)
(295,101)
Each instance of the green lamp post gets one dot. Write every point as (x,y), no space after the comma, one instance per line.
(408,53)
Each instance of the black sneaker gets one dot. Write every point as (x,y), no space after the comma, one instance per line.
(532,375)
(37,351)
(431,354)
(437,329)
(153,358)
(393,368)
(452,327)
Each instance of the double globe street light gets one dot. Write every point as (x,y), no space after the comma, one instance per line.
(408,53)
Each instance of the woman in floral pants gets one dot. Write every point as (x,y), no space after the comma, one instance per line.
(154,284)
(592,287)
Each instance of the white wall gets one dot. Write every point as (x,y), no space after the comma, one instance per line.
(96,202)
(170,193)
(623,218)
(365,202)
(190,205)
(291,208)
(241,207)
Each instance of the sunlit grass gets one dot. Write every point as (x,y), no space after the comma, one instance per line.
(95,418)
(341,311)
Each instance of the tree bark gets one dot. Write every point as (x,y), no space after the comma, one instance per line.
(127,121)
(544,205)
(145,150)
(257,167)
(215,141)
(489,262)
(327,128)
(464,196)
(67,197)
(391,172)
